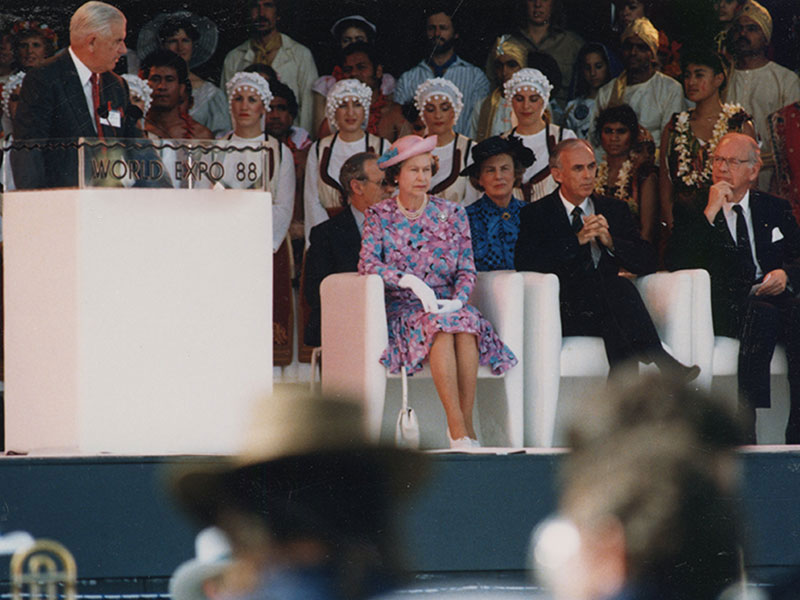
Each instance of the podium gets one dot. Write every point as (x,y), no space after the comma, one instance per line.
(138,319)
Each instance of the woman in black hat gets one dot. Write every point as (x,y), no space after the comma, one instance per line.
(194,39)
(497,168)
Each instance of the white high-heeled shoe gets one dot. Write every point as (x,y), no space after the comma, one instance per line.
(462,443)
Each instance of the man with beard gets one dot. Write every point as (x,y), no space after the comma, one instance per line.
(441,61)
(168,76)
(292,61)
(758,84)
(653,96)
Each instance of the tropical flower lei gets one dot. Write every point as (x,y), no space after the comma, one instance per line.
(690,175)
(620,185)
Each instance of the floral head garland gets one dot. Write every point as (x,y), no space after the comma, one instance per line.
(22,28)
(250,81)
(343,90)
(439,88)
(12,84)
(531,79)
(139,87)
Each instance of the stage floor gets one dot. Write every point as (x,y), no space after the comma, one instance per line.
(472,519)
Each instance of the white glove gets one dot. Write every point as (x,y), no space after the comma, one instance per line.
(448,306)
(422,290)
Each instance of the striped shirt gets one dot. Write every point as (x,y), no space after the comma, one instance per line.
(467,77)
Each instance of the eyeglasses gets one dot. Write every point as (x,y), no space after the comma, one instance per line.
(729,162)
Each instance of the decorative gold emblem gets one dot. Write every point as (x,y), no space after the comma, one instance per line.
(44,570)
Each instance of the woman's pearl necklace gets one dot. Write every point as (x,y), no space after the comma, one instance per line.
(412,214)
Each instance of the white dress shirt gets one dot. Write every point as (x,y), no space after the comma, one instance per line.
(730,219)
(85,74)
(587,206)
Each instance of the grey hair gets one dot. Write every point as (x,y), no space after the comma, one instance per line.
(562,146)
(353,168)
(753,151)
(93,18)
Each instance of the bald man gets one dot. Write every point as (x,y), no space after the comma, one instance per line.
(749,242)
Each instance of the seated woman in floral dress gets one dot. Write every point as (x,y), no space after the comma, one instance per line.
(420,245)
(498,165)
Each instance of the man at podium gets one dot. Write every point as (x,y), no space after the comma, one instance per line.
(75,94)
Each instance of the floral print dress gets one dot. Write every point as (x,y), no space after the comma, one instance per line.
(437,248)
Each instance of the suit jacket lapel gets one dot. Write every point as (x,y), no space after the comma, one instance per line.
(76,98)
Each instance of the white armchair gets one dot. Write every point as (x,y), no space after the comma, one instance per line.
(354,335)
(718,357)
(549,356)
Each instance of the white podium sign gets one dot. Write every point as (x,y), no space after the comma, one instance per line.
(138,321)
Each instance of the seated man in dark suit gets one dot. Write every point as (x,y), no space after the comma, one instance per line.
(335,243)
(585,239)
(74,94)
(749,242)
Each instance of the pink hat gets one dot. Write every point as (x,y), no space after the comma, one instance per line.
(406,147)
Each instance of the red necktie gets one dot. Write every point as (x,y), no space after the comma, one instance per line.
(95,80)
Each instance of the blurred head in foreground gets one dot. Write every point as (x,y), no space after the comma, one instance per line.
(645,506)
(308,504)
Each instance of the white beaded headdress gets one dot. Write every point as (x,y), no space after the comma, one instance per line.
(139,87)
(531,79)
(13,83)
(252,81)
(440,89)
(341,91)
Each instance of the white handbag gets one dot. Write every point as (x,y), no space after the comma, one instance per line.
(406,433)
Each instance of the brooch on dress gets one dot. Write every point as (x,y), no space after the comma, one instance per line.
(506,216)
(442,216)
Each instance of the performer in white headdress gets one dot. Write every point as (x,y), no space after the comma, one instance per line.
(440,103)
(347,109)
(529,91)
(249,97)
(141,95)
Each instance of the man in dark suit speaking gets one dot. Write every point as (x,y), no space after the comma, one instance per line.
(749,242)
(74,94)
(335,243)
(585,239)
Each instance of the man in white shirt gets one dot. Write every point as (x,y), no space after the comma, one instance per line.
(653,96)
(760,85)
(292,61)
(75,94)
(749,242)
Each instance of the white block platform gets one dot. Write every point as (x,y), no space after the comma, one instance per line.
(138,321)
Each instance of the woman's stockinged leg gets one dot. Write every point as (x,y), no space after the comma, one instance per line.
(442,359)
(467,367)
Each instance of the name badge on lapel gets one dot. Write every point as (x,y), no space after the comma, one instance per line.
(114,119)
